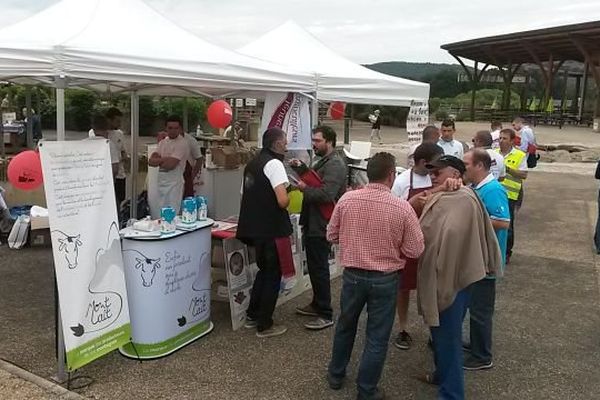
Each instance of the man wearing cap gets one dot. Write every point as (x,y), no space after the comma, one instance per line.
(451,146)
(461,249)
(483,294)
(376,125)
(484,140)
(406,186)
(515,162)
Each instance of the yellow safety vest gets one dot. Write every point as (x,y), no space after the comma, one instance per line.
(512,184)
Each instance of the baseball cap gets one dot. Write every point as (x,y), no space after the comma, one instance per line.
(447,161)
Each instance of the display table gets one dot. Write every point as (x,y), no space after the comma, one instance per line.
(168,286)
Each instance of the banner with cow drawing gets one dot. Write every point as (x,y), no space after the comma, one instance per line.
(86,247)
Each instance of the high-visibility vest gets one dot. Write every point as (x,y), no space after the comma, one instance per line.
(511,183)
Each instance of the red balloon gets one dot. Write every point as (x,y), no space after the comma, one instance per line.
(25,170)
(337,110)
(219,114)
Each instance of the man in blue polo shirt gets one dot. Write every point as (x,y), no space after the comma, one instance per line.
(483,295)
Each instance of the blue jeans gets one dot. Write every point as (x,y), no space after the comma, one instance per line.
(481,311)
(447,349)
(378,292)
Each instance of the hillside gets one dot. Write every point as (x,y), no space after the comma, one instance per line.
(415,71)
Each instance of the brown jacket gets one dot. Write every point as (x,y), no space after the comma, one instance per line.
(460,249)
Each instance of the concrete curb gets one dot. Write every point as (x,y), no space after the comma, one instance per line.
(46,385)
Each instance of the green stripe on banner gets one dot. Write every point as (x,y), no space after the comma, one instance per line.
(168,346)
(96,348)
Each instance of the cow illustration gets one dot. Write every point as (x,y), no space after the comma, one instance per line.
(69,246)
(148,268)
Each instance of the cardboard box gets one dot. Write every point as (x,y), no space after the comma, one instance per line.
(40,238)
(39,234)
(226,156)
(39,223)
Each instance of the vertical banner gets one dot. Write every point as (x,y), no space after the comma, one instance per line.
(417,120)
(290,112)
(87,250)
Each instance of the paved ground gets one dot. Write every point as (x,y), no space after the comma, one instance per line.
(546,330)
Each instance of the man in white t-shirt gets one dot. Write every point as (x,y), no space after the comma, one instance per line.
(451,146)
(118,151)
(496,128)
(101,130)
(264,223)
(483,139)
(431,134)
(408,184)
(170,157)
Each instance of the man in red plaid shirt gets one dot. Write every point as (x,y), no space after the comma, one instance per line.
(376,232)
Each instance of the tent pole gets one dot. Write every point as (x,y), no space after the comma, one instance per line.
(60,83)
(28,115)
(135,131)
(314,111)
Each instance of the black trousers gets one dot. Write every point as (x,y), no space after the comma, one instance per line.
(481,311)
(512,204)
(317,258)
(265,290)
(120,190)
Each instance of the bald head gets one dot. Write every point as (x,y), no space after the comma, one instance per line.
(477,163)
(483,139)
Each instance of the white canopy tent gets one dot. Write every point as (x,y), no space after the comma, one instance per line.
(125,45)
(337,78)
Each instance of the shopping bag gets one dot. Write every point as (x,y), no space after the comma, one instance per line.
(19,233)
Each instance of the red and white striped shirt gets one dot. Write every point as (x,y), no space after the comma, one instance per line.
(376,230)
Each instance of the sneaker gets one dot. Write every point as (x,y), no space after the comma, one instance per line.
(334,383)
(378,395)
(274,330)
(308,311)
(250,323)
(474,365)
(318,324)
(403,341)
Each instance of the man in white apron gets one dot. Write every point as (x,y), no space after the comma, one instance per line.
(170,158)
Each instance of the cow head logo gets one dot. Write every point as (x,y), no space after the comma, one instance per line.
(147,267)
(69,246)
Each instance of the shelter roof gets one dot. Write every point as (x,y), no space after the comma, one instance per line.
(548,44)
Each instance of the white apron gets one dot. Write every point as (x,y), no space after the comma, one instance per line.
(170,188)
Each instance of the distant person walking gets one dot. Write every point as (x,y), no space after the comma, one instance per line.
(375,119)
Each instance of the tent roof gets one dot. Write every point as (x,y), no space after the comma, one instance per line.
(337,77)
(121,44)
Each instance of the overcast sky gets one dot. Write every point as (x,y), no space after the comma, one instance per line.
(364,31)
